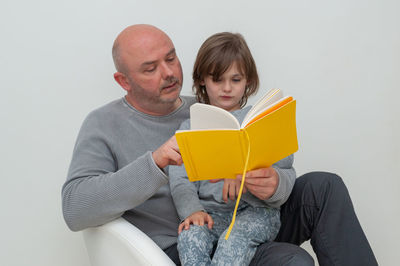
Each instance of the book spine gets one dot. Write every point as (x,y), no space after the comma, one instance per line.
(244,145)
(191,168)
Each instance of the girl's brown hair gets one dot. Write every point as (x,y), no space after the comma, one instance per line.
(216,55)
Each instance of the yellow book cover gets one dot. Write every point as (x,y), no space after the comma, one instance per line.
(216,146)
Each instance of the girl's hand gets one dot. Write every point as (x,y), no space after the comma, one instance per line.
(231,189)
(196,218)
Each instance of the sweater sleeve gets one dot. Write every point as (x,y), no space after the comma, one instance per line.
(287,177)
(96,191)
(184,193)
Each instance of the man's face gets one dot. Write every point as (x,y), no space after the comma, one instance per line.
(153,71)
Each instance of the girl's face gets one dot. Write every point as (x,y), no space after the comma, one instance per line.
(228,90)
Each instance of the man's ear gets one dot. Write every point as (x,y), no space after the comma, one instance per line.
(122,81)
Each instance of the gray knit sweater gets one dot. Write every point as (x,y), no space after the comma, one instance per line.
(190,197)
(112,172)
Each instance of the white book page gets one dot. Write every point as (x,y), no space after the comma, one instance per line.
(264,103)
(267,107)
(205,116)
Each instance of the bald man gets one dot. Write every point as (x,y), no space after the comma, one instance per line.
(123,148)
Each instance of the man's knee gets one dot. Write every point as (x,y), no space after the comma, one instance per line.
(322,189)
(278,253)
(322,181)
(300,258)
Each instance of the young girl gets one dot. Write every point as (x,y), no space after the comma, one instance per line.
(224,75)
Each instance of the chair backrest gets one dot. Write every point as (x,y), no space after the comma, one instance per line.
(119,243)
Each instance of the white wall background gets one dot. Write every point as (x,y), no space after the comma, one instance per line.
(340,59)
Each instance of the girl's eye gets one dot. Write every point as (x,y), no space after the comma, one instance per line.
(236,80)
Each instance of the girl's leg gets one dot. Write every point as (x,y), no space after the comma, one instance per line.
(195,245)
(253,227)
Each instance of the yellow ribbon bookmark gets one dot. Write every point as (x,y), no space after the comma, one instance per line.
(241,188)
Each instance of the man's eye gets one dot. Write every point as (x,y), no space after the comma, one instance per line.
(150,70)
(170,59)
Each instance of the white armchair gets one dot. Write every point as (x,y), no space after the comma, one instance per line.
(119,243)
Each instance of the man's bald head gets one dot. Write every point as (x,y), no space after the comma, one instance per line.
(132,38)
(148,69)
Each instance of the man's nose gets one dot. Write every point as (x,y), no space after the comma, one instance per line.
(166,71)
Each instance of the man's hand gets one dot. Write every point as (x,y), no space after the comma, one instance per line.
(168,154)
(262,182)
(196,218)
(231,189)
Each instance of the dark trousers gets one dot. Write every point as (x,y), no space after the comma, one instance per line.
(319,209)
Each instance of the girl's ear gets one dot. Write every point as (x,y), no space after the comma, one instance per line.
(202,83)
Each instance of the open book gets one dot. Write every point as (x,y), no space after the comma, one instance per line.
(217,146)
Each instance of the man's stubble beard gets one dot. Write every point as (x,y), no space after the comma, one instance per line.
(143,95)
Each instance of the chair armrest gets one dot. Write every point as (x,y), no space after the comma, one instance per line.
(119,243)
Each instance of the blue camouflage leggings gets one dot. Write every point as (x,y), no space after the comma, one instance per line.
(253,227)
